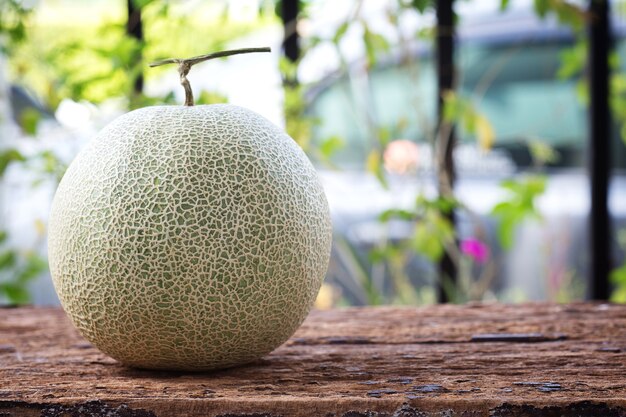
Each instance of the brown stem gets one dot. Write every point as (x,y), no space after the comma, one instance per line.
(184,65)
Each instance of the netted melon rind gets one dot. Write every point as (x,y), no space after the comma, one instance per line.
(189,238)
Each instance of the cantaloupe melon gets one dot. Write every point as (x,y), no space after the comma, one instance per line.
(189,238)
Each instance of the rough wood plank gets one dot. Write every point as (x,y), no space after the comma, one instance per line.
(549,360)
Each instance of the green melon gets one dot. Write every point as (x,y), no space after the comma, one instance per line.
(189,238)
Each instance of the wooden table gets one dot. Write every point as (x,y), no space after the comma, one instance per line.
(473,360)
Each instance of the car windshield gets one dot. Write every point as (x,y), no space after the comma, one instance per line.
(516,86)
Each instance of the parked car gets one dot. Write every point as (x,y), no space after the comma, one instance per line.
(509,64)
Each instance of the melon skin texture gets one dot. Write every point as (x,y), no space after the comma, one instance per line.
(189,238)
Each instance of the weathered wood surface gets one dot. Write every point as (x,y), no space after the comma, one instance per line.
(476,360)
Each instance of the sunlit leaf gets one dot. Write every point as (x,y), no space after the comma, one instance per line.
(519,206)
(484,132)
(375,44)
(426,244)
(340,32)
(40,227)
(573,60)
(542,153)
(7,156)
(384,135)
(210,97)
(331,145)
(142,3)
(618,278)
(452,108)
(375,166)
(431,235)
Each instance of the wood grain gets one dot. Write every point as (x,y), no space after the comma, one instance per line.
(474,360)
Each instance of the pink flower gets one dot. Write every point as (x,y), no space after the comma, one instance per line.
(401,157)
(475,249)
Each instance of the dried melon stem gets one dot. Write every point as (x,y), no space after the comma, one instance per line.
(184,65)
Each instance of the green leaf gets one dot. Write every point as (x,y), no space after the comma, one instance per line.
(374,44)
(211,97)
(519,206)
(542,153)
(484,132)
(389,214)
(35,265)
(374,165)
(452,107)
(541,7)
(15,293)
(570,14)
(7,156)
(142,3)
(7,259)
(331,145)
(288,69)
(340,32)
(29,120)
(3,236)
(384,136)
(618,278)
(573,60)
(426,244)
(504,4)
(506,231)
(420,5)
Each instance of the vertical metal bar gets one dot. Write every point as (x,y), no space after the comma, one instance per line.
(289,15)
(599,148)
(134,29)
(445,133)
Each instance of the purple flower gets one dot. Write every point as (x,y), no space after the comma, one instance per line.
(475,249)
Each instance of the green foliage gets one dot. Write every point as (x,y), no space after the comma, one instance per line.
(618,275)
(573,60)
(520,205)
(209,97)
(618,278)
(29,120)
(358,270)
(49,164)
(298,123)
(462,111)
(432,233)
(331,145)
(567,12)
(375,44)
(7,156)
(419,5)
(542,153)
(13,16)
(18,268)
(374,165)
(16,271)
(82,61)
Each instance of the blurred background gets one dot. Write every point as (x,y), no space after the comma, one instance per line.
(453,147)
